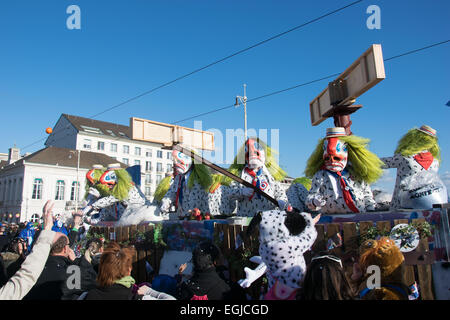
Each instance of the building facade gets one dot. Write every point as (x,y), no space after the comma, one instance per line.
(53,173)
(113,140)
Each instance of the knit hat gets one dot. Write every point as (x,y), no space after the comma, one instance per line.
(383,253)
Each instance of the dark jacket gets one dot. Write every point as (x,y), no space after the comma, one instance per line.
(207,283)
(54,279)
(114,292)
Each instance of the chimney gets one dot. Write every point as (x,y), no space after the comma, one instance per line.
(14,155)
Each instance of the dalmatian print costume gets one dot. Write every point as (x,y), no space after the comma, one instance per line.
(407,167)
(282,252)
(247,207)
(110,208)
(297,194)
(188,198)
(220,202)
(326,185)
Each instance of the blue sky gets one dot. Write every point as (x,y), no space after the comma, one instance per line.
(125,48)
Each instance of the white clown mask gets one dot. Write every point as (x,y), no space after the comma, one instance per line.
(181,162)
(335,154)
(255,156)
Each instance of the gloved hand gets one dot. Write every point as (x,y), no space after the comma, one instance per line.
(316,203)
(94,192)
(252,275)
(165,205)
(247,192)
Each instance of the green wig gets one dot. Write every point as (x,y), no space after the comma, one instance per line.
(239,163)
(362,164)
(415,141)
(123,184)
(104,190)
(304,181)
(201,175)
(162,188)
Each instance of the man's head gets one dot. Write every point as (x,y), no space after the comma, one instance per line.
(204,256)
(60,246)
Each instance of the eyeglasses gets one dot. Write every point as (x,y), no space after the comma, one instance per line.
(334,258)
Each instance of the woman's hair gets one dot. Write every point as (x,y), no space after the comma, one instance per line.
(325,279)
(115,263)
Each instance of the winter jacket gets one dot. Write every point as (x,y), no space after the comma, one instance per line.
(121,290)
(21,283)
(207,283)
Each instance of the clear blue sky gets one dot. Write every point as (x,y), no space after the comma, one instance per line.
(125,48)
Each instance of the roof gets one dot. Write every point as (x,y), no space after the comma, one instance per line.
(99,127)
(66,158)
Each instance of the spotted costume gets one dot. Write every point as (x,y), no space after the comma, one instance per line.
(297,194)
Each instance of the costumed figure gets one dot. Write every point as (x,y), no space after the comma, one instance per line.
(417,160)
(283,239)
(220,200)
(385,254)
(256,164)
(129,204)
(189,188)
(94,190)
(341,168)
(298,192)
(162,188)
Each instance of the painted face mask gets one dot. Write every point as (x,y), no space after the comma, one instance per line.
(335,154)
(90,176)
(109,178)
(181,162)
(255,156)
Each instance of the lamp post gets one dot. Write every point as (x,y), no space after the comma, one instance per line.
(77,185)
(243,100)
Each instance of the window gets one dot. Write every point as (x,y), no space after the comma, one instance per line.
(169,167)
(125,160)
(159,167)
(137,151)
(35,218)
(148,191)
(113,147)
(159,154)
(59,190)
(126,149)
(148,166)
(37,189)
(137,162)
(111,133)
(148,153)
(87,143)
(148,179)
(75,191)
(169,155)
(158,178)
(91,129)
(101,146)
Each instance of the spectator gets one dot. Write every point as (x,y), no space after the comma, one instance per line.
(114,281)
(94,250)
(53,284)
(205,283)
(325,279)
(21,283)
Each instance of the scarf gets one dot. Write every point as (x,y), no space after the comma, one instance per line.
(255,179)
(349,197)
(127,281)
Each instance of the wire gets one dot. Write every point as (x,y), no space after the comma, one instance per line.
(226,58)
(307,83)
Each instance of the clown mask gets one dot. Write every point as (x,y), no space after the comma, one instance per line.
(335,154)
(255,156)
(181,162)
(109,178)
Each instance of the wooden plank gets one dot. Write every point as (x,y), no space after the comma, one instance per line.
(383,226)
(332,230)
(364,225)
(424,271)
(141,259)
(351,248)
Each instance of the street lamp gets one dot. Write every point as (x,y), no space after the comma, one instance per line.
(243,100)
(77,185)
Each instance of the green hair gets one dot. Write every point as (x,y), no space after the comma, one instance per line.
(123,185)
(104,190)
(201,175)
(304,181)
(162,189)
(415,141)
(239,163)
(363,165)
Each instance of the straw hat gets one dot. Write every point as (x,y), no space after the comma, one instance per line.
(427,130)
(335,132)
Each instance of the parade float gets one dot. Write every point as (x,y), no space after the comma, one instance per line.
(347,217)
